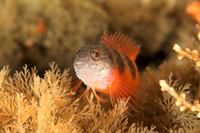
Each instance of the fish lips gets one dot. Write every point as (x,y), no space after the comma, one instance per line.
(79,64)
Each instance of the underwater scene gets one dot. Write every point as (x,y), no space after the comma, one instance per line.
(99,66)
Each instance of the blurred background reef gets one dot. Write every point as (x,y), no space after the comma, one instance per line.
(40,31)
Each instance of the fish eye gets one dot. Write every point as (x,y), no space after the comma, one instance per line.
(95,54)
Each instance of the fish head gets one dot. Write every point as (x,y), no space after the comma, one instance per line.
(92,64)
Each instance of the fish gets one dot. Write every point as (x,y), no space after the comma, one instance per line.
(109,68)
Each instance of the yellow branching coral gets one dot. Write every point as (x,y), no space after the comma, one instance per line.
(193,55)
(181,113)
(29,103)
(180,98)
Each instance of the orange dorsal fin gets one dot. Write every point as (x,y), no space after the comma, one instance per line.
(122,44)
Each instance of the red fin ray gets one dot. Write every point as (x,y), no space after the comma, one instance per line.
(124,93)
(98,97)
(127,91)
(119,95)
(122,44)
(76,84)
(132,89)
(125,86)
(85,92)
(130,102)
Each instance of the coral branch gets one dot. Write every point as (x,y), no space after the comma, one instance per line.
(180,98)
(193,55)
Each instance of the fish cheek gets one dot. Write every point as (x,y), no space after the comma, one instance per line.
(102,65)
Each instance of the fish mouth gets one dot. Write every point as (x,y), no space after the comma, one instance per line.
(80,64)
